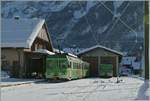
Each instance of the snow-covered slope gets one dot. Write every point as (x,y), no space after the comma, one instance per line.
(86,23)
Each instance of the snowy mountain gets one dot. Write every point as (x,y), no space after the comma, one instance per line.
(114,24)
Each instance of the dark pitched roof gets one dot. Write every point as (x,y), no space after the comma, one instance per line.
(99,46)
(20,32)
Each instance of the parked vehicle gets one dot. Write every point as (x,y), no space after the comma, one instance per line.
(4,74)
(66,66)
(124,71)
(106,70)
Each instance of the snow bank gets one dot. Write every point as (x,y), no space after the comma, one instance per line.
(4,74)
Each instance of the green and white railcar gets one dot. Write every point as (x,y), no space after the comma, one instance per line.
(106,70)
(66,66)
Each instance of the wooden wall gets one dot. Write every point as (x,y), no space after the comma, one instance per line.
(94,57)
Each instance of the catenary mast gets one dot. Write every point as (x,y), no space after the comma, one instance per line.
(146,39)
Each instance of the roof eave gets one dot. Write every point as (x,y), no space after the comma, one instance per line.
(34,33)
(99,46)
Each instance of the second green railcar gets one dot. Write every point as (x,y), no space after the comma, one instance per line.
(65,66)
(106,70)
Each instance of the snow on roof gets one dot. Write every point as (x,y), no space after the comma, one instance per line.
(99,46)
(58,51)
(19,32)
(70,54)
(45,51)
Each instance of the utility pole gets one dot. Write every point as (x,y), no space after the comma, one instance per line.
(59,45)
(146,39)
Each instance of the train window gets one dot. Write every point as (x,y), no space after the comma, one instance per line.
(49,64)
(69,65)
(77,65)
(74,65)
(63,65)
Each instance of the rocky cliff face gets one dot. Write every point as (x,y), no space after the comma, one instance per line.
(115,24)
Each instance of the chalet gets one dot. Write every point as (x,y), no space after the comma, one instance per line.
(24,46)
(98,55)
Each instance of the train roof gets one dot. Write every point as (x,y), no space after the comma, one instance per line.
(70,54)
(45,51)
(63,54)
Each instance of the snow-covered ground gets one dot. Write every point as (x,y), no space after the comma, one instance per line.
(7,81)
(90,89)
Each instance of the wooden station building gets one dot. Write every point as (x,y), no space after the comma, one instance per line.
(24,46)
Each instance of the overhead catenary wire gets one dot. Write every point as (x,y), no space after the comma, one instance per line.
(87,21)
(116,21)
(126,25)
(130,28)
(118,18)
